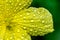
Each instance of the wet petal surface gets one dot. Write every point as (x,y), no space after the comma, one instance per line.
(37,21)
(16,33)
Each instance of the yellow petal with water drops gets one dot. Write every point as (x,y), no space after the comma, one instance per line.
(2,27)
(36,21)
(16,33)
(13,6)
(21,34)
(2,30)
(8,35)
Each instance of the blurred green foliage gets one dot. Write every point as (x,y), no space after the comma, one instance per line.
(54,8)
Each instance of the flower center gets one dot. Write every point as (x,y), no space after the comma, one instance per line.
(9,28)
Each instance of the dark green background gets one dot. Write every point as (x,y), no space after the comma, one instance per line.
(54,8)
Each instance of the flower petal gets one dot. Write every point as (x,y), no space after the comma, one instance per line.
(37,21)
(21,34)
(16,34)
(13,6)
(2,27)
(2,31)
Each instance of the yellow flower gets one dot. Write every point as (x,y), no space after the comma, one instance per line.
(18,22)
